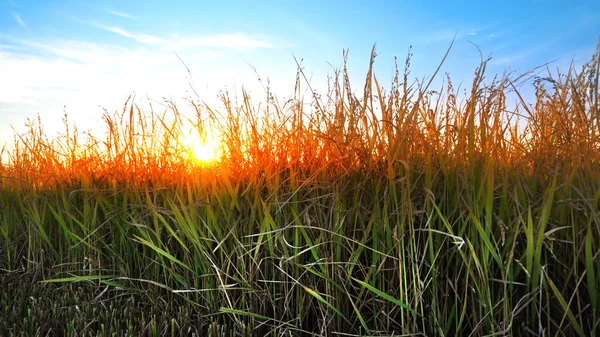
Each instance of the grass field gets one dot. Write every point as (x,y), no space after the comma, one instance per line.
(414,211)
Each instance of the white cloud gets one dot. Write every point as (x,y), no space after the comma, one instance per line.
(513,57)
(19,20)
(140,37)
(122,14)
(448,34)
(177,42)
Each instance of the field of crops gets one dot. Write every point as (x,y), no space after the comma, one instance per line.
(410,211)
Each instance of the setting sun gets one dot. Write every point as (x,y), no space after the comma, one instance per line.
(201,149)
(205,151)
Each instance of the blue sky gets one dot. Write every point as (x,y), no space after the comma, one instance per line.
(84,55)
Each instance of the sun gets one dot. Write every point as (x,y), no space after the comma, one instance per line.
(202,149)
(205,151)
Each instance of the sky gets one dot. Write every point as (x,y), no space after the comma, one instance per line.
(81,57)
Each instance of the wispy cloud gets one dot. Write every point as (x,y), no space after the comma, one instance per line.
(513,58)
(19,20)
(177,42)
(446,34)
(140,37)
(122,14)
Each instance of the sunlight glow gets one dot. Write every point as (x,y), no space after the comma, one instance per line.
(202,149)
(205,151)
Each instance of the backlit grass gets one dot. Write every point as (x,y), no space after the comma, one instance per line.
(406,211)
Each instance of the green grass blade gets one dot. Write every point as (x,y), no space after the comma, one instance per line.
(324,301)
(243,313)
(77,279)
(163,252)
(565,307)
(385,296)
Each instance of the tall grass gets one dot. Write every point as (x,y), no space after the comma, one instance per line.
(409,211)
